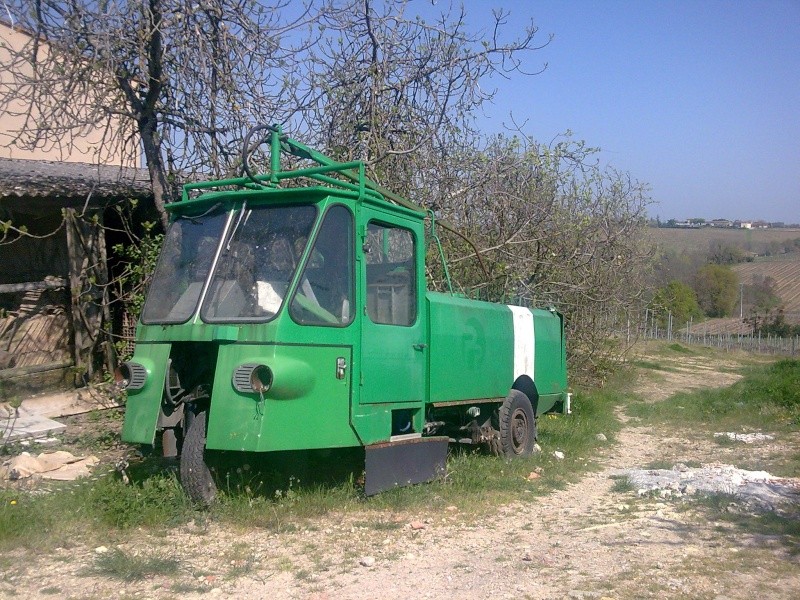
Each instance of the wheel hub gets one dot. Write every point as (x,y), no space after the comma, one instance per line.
(519,430)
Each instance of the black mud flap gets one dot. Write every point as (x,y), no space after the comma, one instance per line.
(404,462)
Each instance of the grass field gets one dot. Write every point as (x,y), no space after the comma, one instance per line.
(93,510)
(694,240)
(540,527)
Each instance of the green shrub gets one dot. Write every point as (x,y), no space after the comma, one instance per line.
(781,384)
(153,502)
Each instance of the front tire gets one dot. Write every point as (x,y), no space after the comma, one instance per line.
(196,477)
(517,426)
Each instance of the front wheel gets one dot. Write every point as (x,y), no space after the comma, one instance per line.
(517,426)
(196,477)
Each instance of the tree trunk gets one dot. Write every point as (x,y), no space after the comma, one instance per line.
(155,165)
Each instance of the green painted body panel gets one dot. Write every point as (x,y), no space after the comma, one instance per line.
(373,422)
(548,402)
(142,406)
(306,407)
(471,348)
(393,360)
(550,354)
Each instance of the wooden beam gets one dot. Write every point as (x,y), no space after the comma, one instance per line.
(50,283)
(29,370)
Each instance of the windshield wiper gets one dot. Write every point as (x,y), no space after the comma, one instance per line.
(236,227)
(194,219)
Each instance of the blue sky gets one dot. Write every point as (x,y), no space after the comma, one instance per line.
(700,99)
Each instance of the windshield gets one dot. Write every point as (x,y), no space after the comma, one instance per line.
(183,267)
(257,263)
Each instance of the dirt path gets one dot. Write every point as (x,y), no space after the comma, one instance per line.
(587,541)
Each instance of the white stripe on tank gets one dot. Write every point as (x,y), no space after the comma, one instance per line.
(523,341)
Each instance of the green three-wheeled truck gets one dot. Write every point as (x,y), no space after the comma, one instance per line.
(282,317)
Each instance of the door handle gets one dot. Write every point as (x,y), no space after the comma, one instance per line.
(420,347)
(341,367)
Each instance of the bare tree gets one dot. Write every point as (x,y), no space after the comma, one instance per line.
(172,80)
(392,89)
(555,228)
(184,78)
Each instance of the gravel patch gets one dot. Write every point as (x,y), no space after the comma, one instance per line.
(758,489)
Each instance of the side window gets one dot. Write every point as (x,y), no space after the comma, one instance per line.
(391,280)
(324,294)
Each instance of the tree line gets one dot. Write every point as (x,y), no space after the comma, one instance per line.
(694,285)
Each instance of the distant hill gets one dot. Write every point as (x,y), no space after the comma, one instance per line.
(698,240)
(785,270)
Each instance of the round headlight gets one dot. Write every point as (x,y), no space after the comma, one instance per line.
(252,378)
(130,376)
(261,379)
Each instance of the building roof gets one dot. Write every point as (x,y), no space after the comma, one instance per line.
(33,185)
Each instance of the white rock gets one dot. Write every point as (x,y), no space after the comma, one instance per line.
(367,561)
(47,441)
(558,455)
(747,438)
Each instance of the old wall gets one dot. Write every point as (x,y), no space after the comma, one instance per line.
(82,146)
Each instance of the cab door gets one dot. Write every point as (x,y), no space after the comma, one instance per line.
(393,333)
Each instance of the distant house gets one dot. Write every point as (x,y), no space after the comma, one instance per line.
(688,224)
(721,223)
(743,224)
(53,282)
(760,225)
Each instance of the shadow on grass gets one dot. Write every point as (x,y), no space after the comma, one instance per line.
(755,525)
(267,474)
(262,490)
(273,473)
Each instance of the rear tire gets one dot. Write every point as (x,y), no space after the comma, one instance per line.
(517,426)
(196,477)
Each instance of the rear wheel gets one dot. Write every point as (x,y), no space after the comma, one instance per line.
(196,477)
(516,425)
